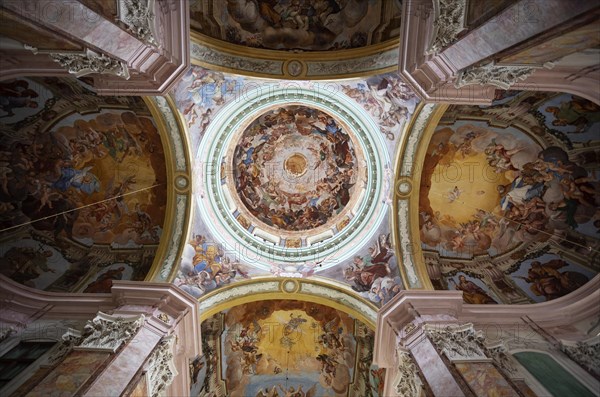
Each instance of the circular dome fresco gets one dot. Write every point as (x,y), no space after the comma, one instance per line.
(295,169)
(299,177)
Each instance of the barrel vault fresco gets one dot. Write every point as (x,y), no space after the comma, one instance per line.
(310,25)
(280,348)
(509,198)
(82,189)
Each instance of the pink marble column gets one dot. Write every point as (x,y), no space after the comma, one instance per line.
(526,23)
(138,322)
(115,379)
(438,376)
(518,23)
(149,67)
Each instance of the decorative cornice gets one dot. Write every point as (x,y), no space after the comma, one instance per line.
(449,22)
(138,15)
(91,62)
(160,367)
(296,65)
(407,382)
(502,76)
(108,333)
(458,342)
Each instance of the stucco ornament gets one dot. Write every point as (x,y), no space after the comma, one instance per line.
(585,353)
(500,76)
(138,15)
(160,367)
(69,340)
(458,342)
(449,22)
(106,332)
(407,382)
(91,62)
(499,353)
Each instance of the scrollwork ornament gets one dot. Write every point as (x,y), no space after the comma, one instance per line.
(499,354)
(90,62)
(407,383)
(160,367)
(449,22)
(138,16)
(586,354)
(5,333)
(502,76)
(69,340)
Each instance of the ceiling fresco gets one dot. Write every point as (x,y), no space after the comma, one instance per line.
(506,191)
(80,197)
(295,168)
(308,25)
(285,348)
(288,171)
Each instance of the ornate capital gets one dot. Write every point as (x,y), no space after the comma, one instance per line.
(69,340)
(407,382)
(138,15)
(500,76)
(160,366)
(499,353)
(585,353)
(91,62)
(458,342)
(449,22)
(106,332)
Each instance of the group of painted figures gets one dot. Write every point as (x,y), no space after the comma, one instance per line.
(81,167)
(278,198)
(372,275)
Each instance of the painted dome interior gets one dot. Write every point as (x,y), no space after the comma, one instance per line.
(295,168)
(299,198)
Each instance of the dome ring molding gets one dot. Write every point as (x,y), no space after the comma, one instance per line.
(214,205)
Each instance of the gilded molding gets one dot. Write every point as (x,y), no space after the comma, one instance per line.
(226,57)
(177,160)
(405,224)
(282,288)
(406,253)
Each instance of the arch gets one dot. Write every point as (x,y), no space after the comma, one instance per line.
(293,339)
(91,186)
(471,224)
(310,290)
